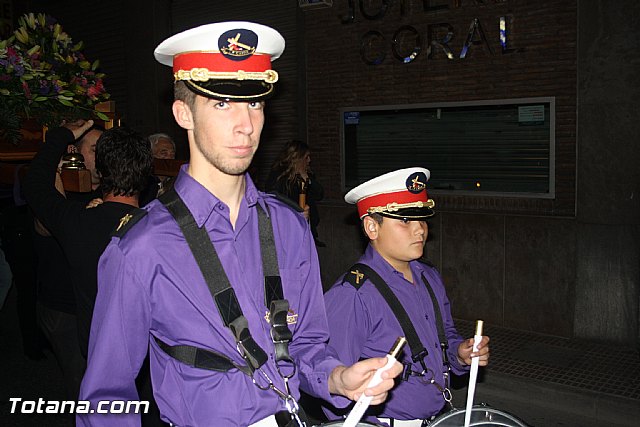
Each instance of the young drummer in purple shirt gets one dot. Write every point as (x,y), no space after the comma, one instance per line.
(393,209)
(152,294)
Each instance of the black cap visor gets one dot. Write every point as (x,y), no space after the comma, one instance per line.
(232,90)
(410,214)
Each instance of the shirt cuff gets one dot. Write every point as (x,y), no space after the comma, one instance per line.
(318,382)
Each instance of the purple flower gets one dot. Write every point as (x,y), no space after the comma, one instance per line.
(44,87)
(19,70)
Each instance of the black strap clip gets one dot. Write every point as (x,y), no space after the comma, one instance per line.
(249,349)
(280,333)
(444,346)
(418,358)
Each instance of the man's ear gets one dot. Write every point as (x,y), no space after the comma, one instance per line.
(370,227)
(183,115)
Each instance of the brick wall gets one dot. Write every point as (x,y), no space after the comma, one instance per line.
(542,33)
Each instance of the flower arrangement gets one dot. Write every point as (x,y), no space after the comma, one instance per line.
(45,76)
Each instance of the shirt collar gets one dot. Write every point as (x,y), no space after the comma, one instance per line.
(384,269)
(201,202)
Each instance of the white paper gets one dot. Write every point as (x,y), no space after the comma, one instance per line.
(363,403)
(473,376)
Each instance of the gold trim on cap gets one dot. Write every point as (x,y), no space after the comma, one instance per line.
(393,207)
(203,75)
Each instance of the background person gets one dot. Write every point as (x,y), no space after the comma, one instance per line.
(394,208)
(123,163)
(86,145)
(291,176)
(56,304)
(162,146)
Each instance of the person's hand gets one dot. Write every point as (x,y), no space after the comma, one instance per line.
(465,351)
(93,203)
(78,127)
(351,382)
(305,212)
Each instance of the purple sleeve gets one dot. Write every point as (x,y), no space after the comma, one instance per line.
(309,347)
(119,339)
(349,322)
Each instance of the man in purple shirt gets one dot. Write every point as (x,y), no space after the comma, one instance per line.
(152,291)
(393,209)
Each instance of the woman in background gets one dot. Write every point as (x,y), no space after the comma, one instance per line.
(291,176)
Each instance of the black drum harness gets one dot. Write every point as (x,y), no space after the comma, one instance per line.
(418,350)
(229,308)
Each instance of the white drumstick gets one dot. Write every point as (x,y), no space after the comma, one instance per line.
(473,374)
(363,403)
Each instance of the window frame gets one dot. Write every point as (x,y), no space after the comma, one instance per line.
(551,194)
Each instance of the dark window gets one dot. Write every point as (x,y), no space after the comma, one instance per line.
(503,147)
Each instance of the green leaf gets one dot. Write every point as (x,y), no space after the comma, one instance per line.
(65,102)
(102,116)
(40,98)
(33,50)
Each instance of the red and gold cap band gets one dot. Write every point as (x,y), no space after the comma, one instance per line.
(197,65)
(388,202)
(217,61)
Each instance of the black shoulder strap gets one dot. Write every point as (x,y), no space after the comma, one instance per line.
(272,282)
(273,293)
(436,309)
(287,201)
(223,294)
(418,350)
(442,336)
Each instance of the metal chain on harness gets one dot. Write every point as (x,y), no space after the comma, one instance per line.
(280,335)
(443,389)
(290,402)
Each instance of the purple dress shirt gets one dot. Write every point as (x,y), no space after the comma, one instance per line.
(150,285)
(362,325)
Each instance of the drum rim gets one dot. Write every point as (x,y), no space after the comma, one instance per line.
(480,407)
